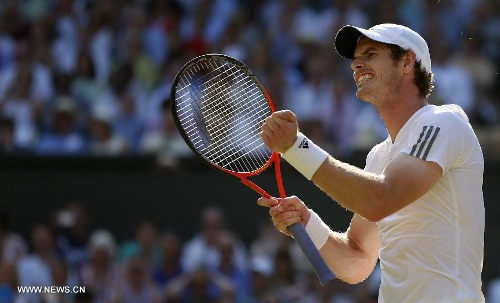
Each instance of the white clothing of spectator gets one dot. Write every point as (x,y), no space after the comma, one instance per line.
(201,251)
(453,82)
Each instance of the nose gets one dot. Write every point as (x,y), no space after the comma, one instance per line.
(356,64)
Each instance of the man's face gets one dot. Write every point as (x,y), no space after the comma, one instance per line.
(376,74)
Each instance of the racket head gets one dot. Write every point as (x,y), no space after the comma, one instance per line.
(219,105)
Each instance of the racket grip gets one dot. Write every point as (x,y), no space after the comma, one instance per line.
(307,246)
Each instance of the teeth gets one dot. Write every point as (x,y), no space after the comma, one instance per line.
(364,77)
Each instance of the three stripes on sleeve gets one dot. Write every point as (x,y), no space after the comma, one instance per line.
(425,141)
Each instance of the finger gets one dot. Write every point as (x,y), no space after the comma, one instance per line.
(277,210)
(287,216)
(272,124)
(265,138)
(282,225)
(291,208)
(266,132)
(267,202)
(289,202)
(286,115)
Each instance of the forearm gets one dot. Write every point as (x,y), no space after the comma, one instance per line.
(340,180)
(349,263)
(351,255)
(361,192)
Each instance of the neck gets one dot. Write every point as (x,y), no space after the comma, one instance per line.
(396,116)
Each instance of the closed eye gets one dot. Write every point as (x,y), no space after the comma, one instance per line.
(369,53)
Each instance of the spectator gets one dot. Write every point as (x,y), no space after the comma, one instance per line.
(63,137)
(268,240)
(85,87)
(64,48)
(144,245)
(19,105)
(73,234)
(339,117)
(166,144)
(453,82)
(261,273)
(207,21)
(8,283)
(104,141)
(170,267)
(36,76)
(135,285)
(200,286)
(98,39)
(160,18)
(483,72)
(122,81)
(101,272)
(60,277)
(226,244)
(145,71)
(159,98)
(201,250)
(35,269)
(284,283)
(309,98)
(127,123)
(13,247)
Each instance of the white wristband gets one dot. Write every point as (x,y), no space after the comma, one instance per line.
(305,156)
(317,229)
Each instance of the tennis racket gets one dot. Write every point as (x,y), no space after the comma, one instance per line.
(219,106)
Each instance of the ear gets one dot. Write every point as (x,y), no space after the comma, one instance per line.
(409,61)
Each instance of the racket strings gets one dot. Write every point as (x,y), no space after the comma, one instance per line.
(223,93)
(221,109)
(248,139)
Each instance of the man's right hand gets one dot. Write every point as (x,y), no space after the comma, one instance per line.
(279,131)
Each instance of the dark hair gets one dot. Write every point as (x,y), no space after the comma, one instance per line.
(423,80)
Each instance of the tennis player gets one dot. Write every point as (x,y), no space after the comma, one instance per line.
(418,204)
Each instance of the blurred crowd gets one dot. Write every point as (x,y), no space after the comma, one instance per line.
(87,77)
(156,265)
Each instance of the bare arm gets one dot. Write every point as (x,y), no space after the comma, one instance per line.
(373,196)
(377,196)
(351,255)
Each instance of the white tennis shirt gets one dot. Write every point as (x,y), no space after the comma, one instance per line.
(432,249)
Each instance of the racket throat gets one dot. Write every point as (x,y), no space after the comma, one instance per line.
(256,188)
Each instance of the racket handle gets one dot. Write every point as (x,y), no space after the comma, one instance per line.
(307,246)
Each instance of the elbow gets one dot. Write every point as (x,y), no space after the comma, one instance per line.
(380,205)
(375,215)
(376,210)
(357,277)
(352,280)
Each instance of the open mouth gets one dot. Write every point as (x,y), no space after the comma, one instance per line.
(364,79)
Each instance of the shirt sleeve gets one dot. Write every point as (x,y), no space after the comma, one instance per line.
(444,137)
